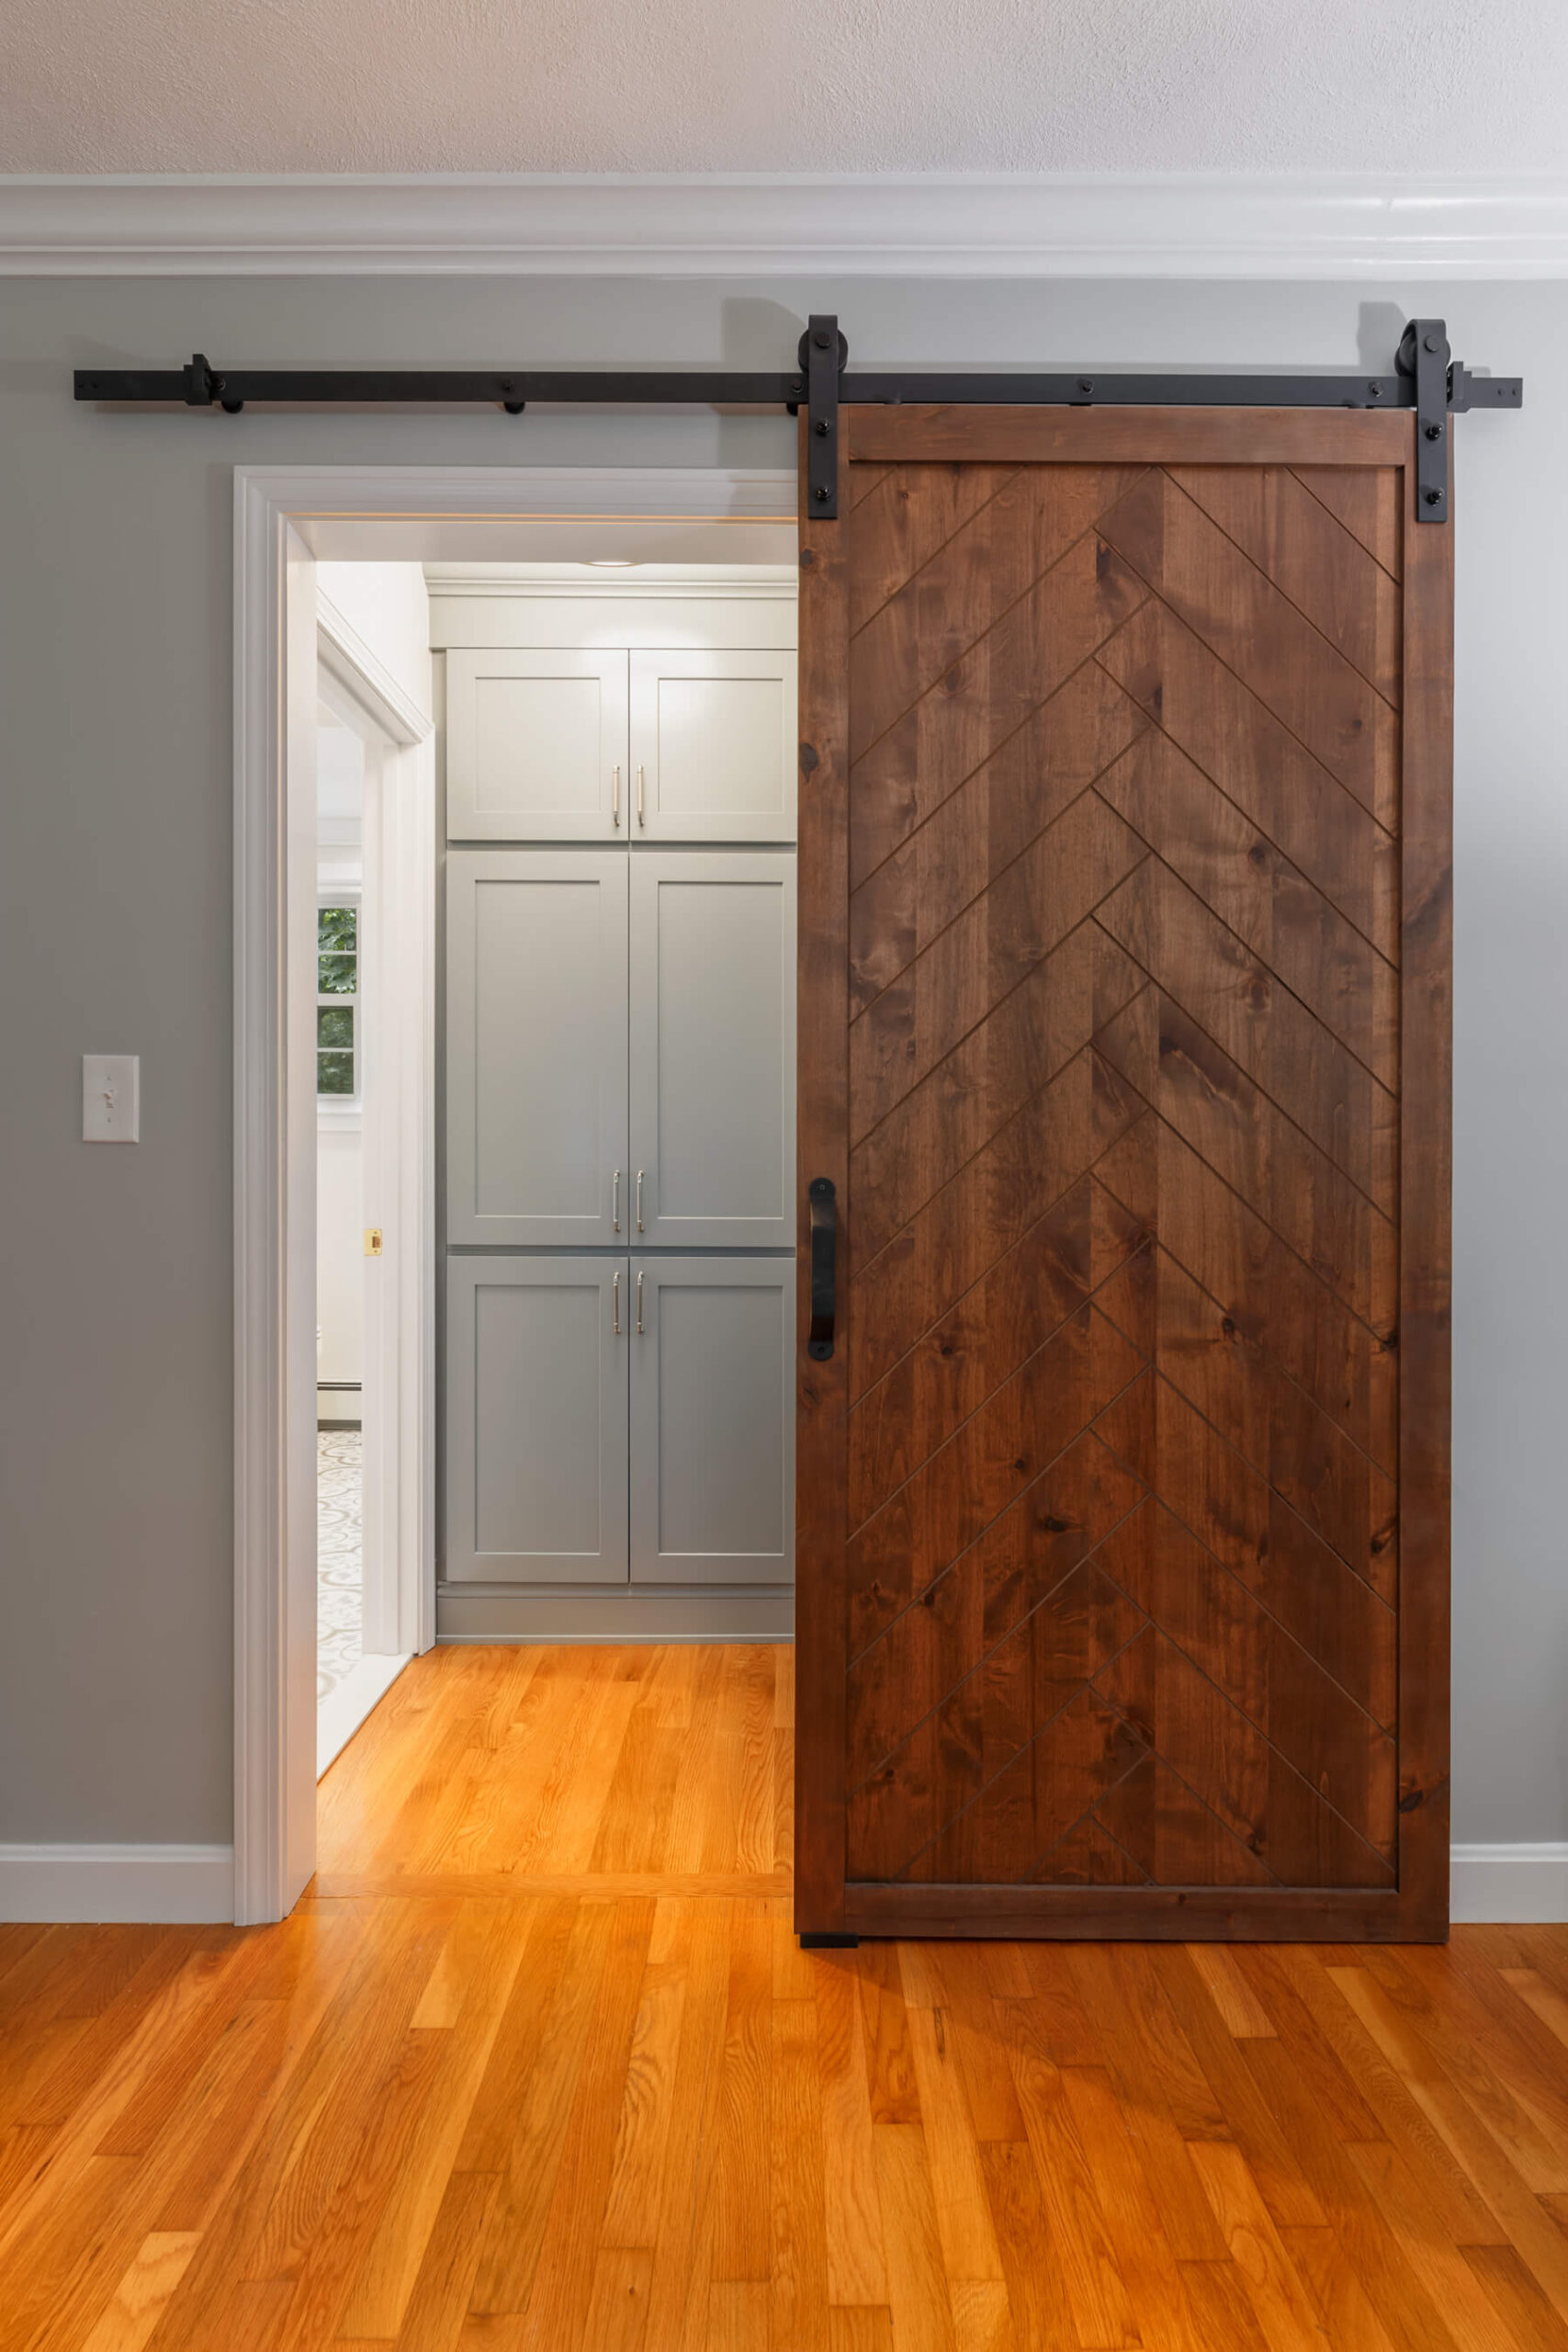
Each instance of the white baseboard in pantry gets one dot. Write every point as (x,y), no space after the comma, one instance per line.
(159,1885)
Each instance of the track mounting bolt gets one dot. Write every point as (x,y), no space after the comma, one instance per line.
(1375,390)
(1086,383)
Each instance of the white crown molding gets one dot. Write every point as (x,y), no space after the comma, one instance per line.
(1515,1883)
(359,671)
(755,224)
(177,1885)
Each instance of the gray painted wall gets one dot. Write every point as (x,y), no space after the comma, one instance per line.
(115,1449)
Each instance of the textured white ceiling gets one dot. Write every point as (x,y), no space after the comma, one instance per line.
(1422,87)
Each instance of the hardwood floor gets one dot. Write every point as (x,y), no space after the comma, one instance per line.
(538,2063)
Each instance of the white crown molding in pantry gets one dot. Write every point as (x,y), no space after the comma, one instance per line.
(756,224)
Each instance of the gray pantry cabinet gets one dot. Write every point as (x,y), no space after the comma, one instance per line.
(578,1386)
(619,1076)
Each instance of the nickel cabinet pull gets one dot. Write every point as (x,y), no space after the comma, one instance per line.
(616,1297)
(639,1176)
(615,1201)
(615,792)
(640,817)
(639,1306)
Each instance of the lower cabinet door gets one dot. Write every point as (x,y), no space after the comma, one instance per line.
(712,1421)
(537,1420)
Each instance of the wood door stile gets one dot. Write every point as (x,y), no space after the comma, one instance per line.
(1125,1036)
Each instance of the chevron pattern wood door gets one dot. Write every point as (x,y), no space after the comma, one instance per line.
(1124,986)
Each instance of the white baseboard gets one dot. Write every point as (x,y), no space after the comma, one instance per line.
(195,1884)
(341,1712)
(633,1613)
(173,1885)
(1524,1884)
(1026,224)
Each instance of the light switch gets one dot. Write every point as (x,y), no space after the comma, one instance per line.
(111,1098)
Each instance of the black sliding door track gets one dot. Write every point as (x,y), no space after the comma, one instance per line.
(1425,378)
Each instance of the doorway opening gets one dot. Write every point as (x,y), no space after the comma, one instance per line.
(351,1255)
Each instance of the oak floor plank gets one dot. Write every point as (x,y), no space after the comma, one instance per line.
(917,2287)
(857,2268)
(543,2116)
(799,2280)
(1160,2310)
(563,2282)
(433,2315)
(964,2220)
(1472,2315)
(1275,2292)
(143,2293)
(1097,2293)
(465,2000)
(618,2306)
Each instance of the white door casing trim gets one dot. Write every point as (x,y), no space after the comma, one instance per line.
(284,520)
(756,224)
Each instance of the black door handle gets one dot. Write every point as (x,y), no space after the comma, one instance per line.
(824,1256)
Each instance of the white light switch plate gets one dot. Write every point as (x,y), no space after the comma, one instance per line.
(111,1098)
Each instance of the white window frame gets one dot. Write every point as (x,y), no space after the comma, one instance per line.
(344,1110)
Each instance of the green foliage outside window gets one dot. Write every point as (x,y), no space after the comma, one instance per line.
(337,994)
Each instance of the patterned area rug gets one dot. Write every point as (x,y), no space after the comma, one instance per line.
(340,1602)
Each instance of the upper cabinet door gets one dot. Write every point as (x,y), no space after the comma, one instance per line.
(713,747)
(537,1046)
(536,746)
(713,1047)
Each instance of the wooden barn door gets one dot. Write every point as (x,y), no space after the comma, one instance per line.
(1124,914)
